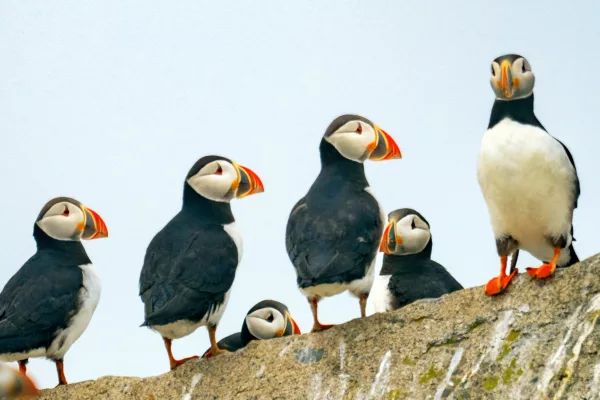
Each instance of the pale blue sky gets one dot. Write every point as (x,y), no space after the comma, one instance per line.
(111,102)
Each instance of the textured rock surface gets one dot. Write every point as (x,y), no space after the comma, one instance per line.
(540,340)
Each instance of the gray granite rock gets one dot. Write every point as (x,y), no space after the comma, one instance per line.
(539,340)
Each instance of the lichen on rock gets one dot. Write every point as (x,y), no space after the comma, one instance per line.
(539,339)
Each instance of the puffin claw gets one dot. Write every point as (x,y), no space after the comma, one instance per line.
(320,327)
(545,271)
(177,363)
(497,285)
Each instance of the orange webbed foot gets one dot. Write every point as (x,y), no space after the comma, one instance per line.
(320,327)
(177,363)
(497,285)
(214,353)
(545,271)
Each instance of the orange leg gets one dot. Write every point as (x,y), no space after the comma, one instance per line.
(498,284)
(214,347)
(363,305)
(23,366)
(172,361)
(60,369)
(317,326)
(545,270)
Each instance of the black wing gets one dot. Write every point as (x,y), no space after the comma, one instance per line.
(577,188)
(335,239)
(36,302)
(427,281)
(231,343)
(187,272)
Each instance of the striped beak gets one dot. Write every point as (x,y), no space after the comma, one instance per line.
(93,226)
(506,82)
(247,184)
(291,327)
(16,385)
(390,240)
(384,147)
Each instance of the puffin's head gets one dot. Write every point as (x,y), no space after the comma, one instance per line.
(220,179)
(269,319)
(357,139)
(407,232)
(16,385)
(63,218)
(512,78)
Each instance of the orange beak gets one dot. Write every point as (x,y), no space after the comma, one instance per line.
(384,147)
(248,183)
(16,384)
(290,323)
(506,82)
(390,240)
(296,328)
(93,226)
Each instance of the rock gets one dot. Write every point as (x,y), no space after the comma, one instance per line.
(539,340)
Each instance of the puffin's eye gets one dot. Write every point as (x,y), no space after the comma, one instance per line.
(524,68)
(219,170)
(66,212)
(493,71)
(359,128)
(412,225)
(270,318)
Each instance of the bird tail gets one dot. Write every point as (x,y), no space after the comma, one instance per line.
(14,384)
(573,258)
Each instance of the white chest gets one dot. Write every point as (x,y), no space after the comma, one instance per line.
(236,236)
(381,212)
(89,296)
(527,181)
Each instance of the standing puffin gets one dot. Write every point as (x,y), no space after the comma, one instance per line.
(334,231)
(408,273)
(190,264)
(528,178)
(49,302)
(268,319)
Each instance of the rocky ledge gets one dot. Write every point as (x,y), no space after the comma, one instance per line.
(539,340)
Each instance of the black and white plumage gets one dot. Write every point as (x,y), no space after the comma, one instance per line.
(49,302)
(528,178)
(268,319)
(334,231)
(190,264)
(408,273)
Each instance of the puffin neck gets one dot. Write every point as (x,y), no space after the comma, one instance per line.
(205,209)
(393,263)
(332,162)
(70,249)
(520,110)
(247,337)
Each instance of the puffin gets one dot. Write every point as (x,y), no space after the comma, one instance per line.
(333,232)
(528,178)
(190,264)
(49,302)
(15,385)
(267,319)
(408,273)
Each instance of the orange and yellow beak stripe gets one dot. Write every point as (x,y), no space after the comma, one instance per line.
(248,183)
(384,147)
(93,226)
(390,239)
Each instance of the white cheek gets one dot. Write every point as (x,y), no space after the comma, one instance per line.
(263,329)
(352,145)
(413,240)
(214,187)
(60,227)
